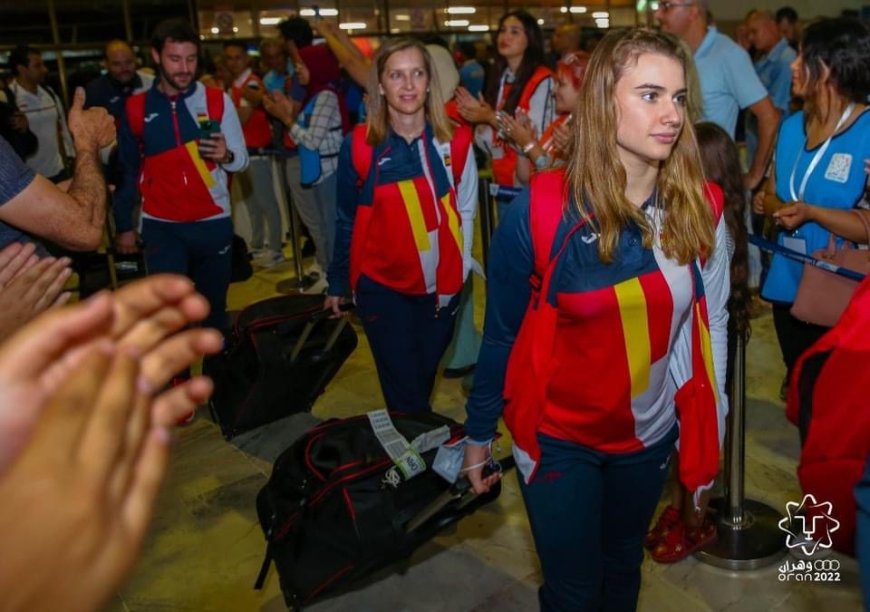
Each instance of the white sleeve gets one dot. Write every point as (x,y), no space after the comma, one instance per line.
(231,128)
(541,106)
(716,274)
(466,203)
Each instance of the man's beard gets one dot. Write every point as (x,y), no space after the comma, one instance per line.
(172,82)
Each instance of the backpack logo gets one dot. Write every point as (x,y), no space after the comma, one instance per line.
(150,117)
(383,160)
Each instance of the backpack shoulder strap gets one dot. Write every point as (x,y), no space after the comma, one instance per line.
(716,199)
(538,76)
(360,152)
(214,103)
(460,145)
(135,109)
(546,196)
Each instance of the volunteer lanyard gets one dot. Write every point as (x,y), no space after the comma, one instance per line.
(799,196)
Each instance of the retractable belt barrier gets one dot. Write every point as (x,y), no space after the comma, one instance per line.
(772,247)
(488,194)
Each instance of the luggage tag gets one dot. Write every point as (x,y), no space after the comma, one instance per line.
(407,459)
(795,243)
(448,460)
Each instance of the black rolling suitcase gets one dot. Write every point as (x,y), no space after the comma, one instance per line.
(282,353)
(336,508)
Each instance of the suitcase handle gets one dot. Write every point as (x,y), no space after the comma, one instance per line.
(309,327)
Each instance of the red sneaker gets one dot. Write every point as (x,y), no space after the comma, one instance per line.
(681,541)
(668,519)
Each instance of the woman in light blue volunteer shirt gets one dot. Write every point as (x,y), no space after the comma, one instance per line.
(819,164)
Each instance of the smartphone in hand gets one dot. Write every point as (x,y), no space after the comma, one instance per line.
(209,128)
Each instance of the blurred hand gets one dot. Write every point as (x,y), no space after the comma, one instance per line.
(281,107)
(143,317)
(334,303)
(473,110)
(476,456)
(518,130)
(127,243)
(214,148)
(758,202)
(36,285)
(78,499)
(91,129)
(793,215)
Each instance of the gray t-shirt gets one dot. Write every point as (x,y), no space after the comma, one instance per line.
(14,178)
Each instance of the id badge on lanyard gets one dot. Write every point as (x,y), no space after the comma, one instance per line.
(798,196)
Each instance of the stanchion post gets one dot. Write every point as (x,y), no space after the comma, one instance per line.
(485,208)
(749,534)
(293,220)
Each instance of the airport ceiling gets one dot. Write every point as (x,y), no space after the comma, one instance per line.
(83,22)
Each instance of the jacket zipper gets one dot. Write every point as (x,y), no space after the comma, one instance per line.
(177,131)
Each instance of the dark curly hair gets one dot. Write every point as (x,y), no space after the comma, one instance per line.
(532,58)
(842,45)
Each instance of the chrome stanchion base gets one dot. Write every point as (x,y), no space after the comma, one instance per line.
(754,543)
(289,286)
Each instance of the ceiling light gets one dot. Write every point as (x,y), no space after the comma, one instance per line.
(324,12)
(600,15)
(402,17)
(461,10)
(352,25)
(456,23)
(478,28)
(215,30)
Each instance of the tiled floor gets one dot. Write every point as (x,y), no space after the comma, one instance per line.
(206,547)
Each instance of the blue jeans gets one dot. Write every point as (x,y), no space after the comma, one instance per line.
(202,251)
(589,512)
(407,337)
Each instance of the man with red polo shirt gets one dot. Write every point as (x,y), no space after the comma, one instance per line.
(247,93)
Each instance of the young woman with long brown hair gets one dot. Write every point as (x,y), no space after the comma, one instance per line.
(591,361)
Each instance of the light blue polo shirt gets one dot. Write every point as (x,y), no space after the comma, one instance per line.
(728,79)
(774,70)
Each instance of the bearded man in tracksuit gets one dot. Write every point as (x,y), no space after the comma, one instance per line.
(182,176)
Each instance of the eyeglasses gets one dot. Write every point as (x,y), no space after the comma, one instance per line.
(665,6)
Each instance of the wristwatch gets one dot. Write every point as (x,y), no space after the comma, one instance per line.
(231,157)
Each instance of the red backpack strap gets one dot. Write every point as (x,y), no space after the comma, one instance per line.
(360,153)
(214,103)
(716,199)
(538,76)
(460,145)
(546,197)
(135,109)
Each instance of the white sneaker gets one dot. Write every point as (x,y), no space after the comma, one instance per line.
(270,259)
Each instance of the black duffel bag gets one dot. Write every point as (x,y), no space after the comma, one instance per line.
(280,356)
(332,514)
